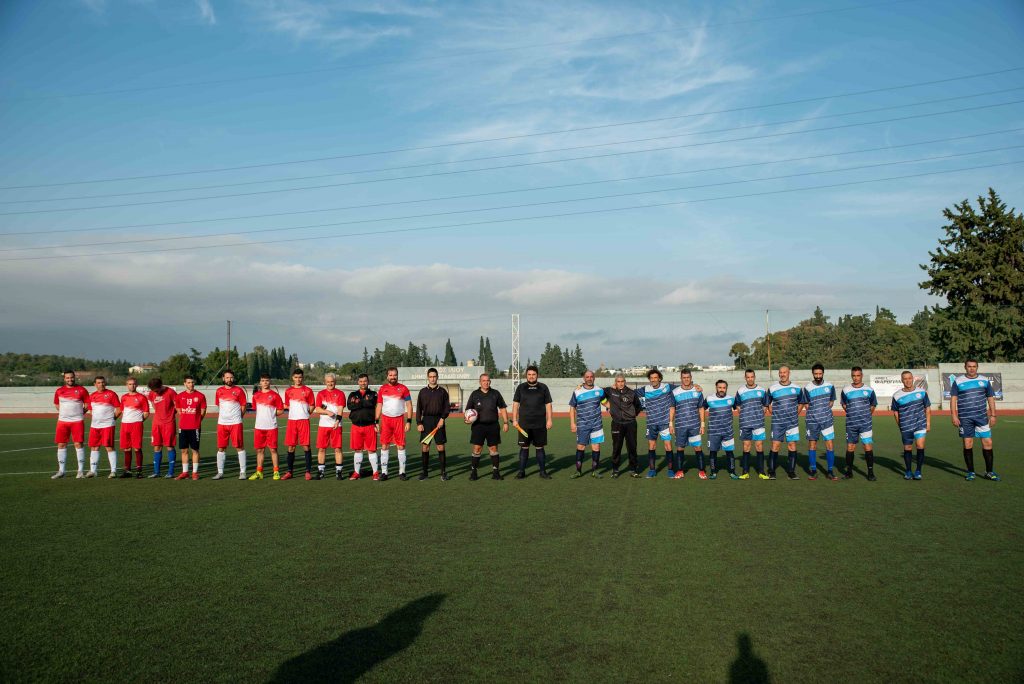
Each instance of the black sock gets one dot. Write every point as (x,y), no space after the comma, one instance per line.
(773,461)
(309,460)
(679,460)
(524,456)
(714,461)
(849,461)
(542,459)
(760,461)
(475,462)
(495,461)
(595,458)
(792,461)
(969,459)
(443,458)
(907,459)
(700,458)
(651,458)
(425,461)
(989,459)
(745,462)
(579,459)
(732,461)
(291,461)
(869,456)
(920,458)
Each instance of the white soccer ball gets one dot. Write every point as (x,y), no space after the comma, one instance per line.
(470,415)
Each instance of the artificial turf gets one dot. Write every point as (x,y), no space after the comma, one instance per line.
(560,580)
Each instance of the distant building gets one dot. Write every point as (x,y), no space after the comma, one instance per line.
(144,368)
(718,368)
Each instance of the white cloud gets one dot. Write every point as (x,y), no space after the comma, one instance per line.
(340,28)
(206,12)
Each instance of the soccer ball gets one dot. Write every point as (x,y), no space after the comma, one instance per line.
(470,415)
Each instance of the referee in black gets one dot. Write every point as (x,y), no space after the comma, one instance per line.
(623,404)
(432,407)
(531,413)
(489,406)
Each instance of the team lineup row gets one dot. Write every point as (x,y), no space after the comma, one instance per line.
(379,419)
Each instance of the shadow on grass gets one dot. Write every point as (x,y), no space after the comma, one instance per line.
(929,462)
(748,668)
(354,653)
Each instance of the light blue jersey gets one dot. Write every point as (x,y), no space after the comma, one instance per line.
(819,400)
(911,408)
(587,403)
(720,415)
(785,403)
(688,403)
(972,397)
(858,402)
(656,402)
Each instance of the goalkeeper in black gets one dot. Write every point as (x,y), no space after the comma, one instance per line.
(531,416)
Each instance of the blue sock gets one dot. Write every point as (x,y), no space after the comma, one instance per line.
(920,459)
(773,460)
(158,456)
(172,458)
(812,459)
(700,459)
(830,458)
(792,461)
(907,458)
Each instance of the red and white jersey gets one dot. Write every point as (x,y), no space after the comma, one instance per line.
(231,401)
(332,400)
(70,403)
(191,406)
(299,402)
(102,406)
(266,405)
(393,398)
(133,408)
(163,406)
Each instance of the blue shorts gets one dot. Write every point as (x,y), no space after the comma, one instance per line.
(816,432)
(688,436)
(859,433)
(911,437)
(752,434)
(721,443)
(975,427)
(658,431)
(589,435)
(783,433)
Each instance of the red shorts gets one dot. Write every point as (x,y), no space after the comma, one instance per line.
(265,438)
(101,437)
(163,434)
(297,433)
(70,432)
(362,437)
(328,437)
(230,433)
(392,431)
(131,436)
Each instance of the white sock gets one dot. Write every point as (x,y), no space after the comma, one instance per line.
(94,460)
(221,457)
(374,462)
(385,454)
(112,457)
(80,456)
(241,461)
(401,461)
(62,459)
(184,465)
(357,461)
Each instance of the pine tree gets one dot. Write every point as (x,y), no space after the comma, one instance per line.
(449,354)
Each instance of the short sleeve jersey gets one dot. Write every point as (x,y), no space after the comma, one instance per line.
(393,399)
(102,406)
(688,403)
(299,402)
(911,409)
(751,401)
(587,403)
(720,414)
(486,404)
(656,402)
(231,401)
(191,406)
(332,400)
(533,400)
(266,405)
(819,400)
(785,403)
(70,403)
(134,407)
(972,396)
(858,402)
(163,405)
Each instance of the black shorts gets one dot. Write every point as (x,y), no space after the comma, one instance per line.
(429,423)
(485,432)
(537,437)
(188,439)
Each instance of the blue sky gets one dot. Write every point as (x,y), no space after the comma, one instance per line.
(101,89)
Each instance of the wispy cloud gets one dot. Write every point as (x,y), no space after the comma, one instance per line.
(340,28)
(206,12)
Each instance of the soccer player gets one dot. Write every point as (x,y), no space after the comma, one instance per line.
(972,406)
(104,406)
(586,421)
(163,430)
(752,400)
(268,405)
(719,410)
(432,408)
(394,402)
(70,400)
(191,407)
(330,406)
(817,399)
(362,407)
(623,405)
(912,410)
(784,408)
(531,413)
(687,424)
(298,402)
(134,411)
(230,398)
(659,409)
(489,406)
(858,402)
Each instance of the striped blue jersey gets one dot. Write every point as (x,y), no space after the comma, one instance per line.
(819,400)
(785,403)
(911,408)
(587,403)
(720,414)
(751,401)
(972,396)
(656,402)
(858,402)
(688,403)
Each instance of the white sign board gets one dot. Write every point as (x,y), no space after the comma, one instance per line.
(886,385)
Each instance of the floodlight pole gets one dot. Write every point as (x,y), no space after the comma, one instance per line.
(515,349)
(768,337)
(227,352)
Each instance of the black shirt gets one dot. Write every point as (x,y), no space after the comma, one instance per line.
(432,402)
(623,404)
(486,405)
(532,401)
(361,407)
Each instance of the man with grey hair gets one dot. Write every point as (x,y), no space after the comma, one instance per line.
(330,403)
(623,405)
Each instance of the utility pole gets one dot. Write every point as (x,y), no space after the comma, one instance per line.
(768,338)
(516,370)
(227,352)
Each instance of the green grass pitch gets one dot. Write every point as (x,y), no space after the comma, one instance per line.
(561,580)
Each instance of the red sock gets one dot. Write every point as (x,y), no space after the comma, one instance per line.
(138,459)
(127,459)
